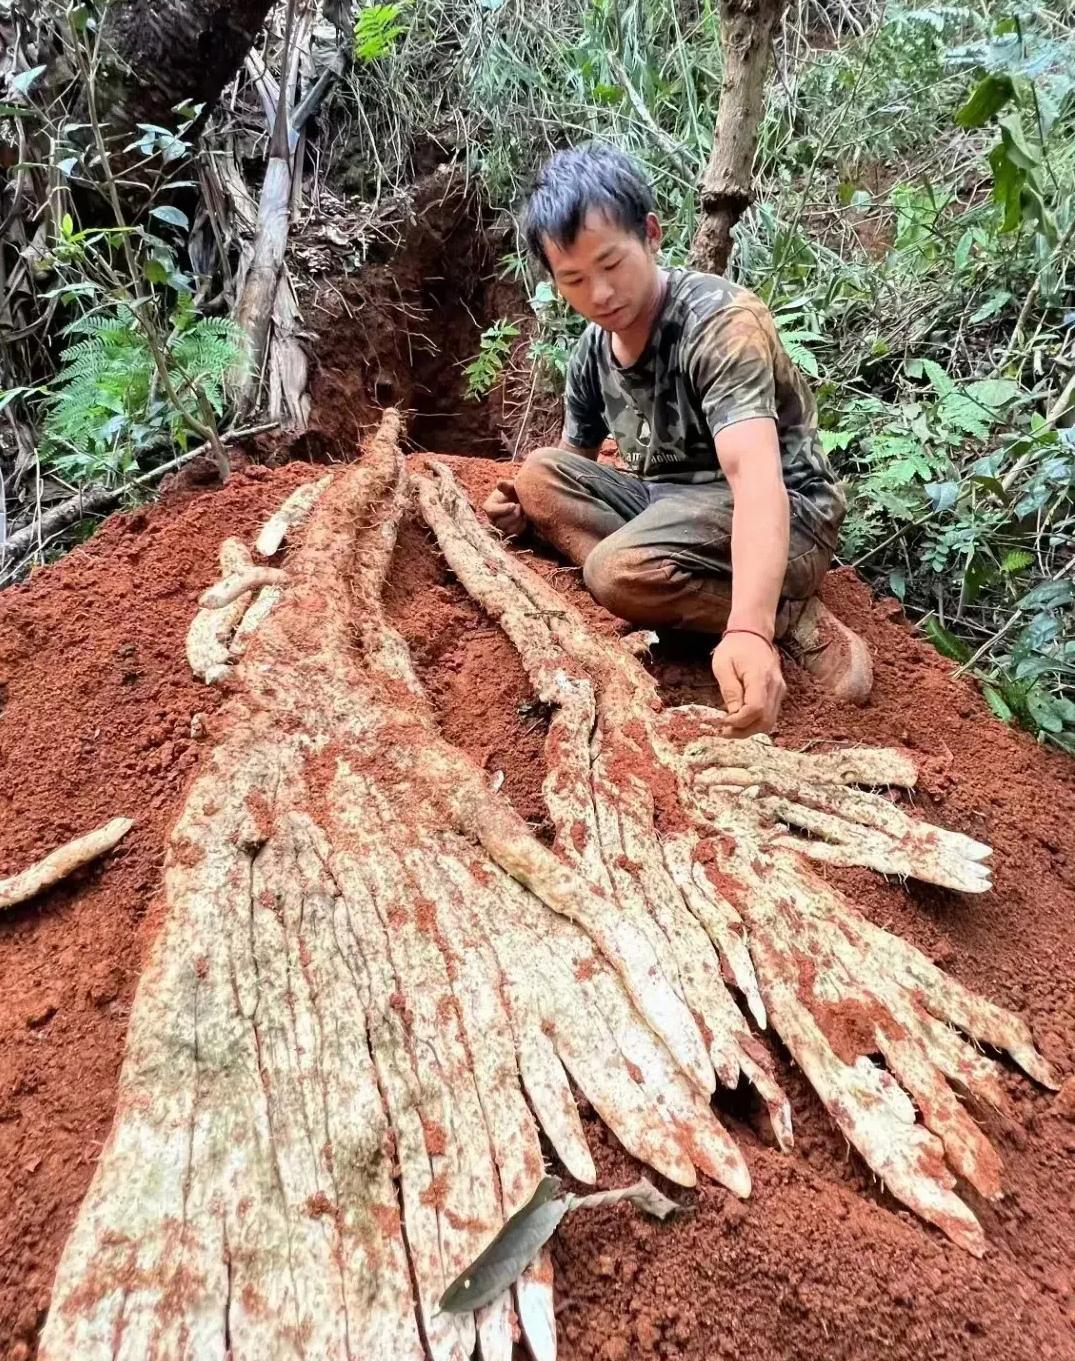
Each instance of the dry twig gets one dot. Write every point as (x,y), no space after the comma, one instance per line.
(58,864)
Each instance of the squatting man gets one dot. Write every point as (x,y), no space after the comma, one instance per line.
(721,512)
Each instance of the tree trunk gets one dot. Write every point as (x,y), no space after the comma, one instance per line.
(169,51)
(747,28)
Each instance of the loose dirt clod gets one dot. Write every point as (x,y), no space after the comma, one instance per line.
(61,862)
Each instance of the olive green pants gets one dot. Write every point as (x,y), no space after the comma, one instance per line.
(654,552)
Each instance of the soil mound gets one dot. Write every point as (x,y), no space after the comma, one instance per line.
(96,703)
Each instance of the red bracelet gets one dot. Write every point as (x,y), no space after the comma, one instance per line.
(754,633)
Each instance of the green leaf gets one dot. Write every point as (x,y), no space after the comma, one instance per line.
(978,574)
(510,1252)
(1035,210)
(993,393)
(493,353)
(992,485)
(939,380)
(997,703)
(187,111)
(1048,595)
(793,341)
(1030,668)
(947,644)
(942,495)
(806,361)
(1042,710)
(1032,500)
(174,149)
(995,303)
(1042,630)
(1016,560)
(22,83)
(835,439)
(1015,144)
(544,295)
(156,271)
(1065,708)
(68,292)
(10,394)
(905,470)
(175,217)
(987,98)
(960,413)
(376,31)
(1008,181)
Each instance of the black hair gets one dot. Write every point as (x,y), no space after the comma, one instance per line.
(572,183)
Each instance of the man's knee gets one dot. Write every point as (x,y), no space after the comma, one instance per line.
(631,583)
(647,587)
(537,484)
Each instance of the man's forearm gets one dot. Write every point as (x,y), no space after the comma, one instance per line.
(760,530)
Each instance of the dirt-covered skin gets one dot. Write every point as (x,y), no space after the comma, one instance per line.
(96,702)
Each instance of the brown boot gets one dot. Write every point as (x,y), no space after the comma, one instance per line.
(831,652)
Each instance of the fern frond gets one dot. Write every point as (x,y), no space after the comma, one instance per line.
(107,406)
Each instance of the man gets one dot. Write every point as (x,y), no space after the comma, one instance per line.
(725,514)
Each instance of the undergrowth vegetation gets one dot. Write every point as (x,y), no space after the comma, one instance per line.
(107,405)
(143,370)
(913,234)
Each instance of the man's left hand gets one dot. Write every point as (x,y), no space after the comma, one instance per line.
(747,669)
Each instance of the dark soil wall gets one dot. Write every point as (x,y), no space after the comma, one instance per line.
(401,331)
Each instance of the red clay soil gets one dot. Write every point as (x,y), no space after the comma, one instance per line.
(96,703)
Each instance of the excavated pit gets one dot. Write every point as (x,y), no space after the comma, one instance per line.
(401,330)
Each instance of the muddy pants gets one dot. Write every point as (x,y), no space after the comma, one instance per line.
(654,552)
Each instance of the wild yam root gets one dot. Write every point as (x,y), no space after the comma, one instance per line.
(374,986)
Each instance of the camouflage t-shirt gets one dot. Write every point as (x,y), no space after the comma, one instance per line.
(714,358)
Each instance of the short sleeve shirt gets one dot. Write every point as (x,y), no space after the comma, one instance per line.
(714,358)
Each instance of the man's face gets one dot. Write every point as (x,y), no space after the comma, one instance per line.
(607,274)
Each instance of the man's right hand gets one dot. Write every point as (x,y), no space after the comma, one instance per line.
(503,509)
